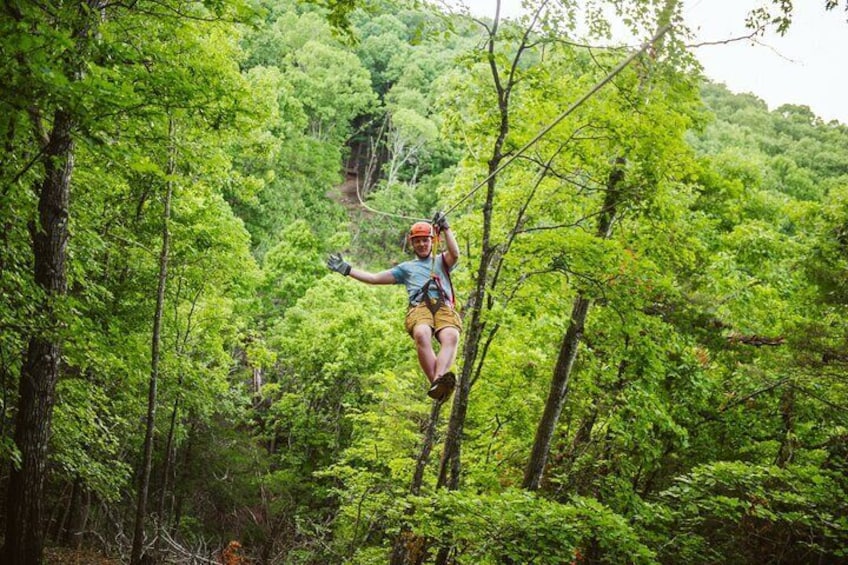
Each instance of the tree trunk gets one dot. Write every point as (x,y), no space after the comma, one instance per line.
(475,325)
(426,448)
(184,477)
(40,371)
(556,395)
(257,382)
(141,509)
(570,343)
(72,526)
(170,450)
(407,548)
(473,358)
(166,467)
(568,350)
(565,460)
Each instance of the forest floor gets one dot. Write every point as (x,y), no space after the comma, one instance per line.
(67,556)
(345,193)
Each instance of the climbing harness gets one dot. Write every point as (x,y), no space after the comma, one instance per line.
(423,293)
(433,304)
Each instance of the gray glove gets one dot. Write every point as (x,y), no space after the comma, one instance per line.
(337,264)
(440,220)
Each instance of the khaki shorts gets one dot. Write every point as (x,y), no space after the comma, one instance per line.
(445,317)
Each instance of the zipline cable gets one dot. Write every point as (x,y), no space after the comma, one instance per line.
(370,209)
(574,105)
(612,74)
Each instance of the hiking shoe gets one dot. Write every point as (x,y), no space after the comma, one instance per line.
(442,387)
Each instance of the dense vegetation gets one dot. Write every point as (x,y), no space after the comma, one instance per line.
(655,348)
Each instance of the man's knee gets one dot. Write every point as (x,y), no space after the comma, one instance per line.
(448,336)
(422,334)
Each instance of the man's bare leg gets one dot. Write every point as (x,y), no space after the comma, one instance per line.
(423,336)
(449,339)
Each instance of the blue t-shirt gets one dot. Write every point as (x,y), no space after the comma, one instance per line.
(415,273)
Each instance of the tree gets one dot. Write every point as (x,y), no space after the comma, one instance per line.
(155,352)
(616,197)
(101,72)
(53,128)
(702,416)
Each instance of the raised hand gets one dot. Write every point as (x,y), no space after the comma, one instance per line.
(440,220)
(337,264)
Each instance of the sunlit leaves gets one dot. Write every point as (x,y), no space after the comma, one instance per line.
(785,512)
(527,529)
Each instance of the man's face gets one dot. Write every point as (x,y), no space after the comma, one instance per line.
(421,246)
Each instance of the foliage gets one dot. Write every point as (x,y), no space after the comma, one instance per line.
(521,527)
(734,512)
(705,416)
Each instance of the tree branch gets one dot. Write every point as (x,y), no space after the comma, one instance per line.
(755,340)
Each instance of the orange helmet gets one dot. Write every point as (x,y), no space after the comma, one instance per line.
(420,229)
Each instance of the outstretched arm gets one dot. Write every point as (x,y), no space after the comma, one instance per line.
(383,277)
(336,263)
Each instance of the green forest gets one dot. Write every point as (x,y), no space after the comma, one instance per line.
(652,281)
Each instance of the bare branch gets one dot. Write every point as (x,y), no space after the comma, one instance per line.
(749,37)
(576,224)
(743,399)
(815,396)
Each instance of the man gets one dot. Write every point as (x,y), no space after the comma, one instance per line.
(431,312)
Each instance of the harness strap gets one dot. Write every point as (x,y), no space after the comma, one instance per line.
(442,293)
(450,283)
